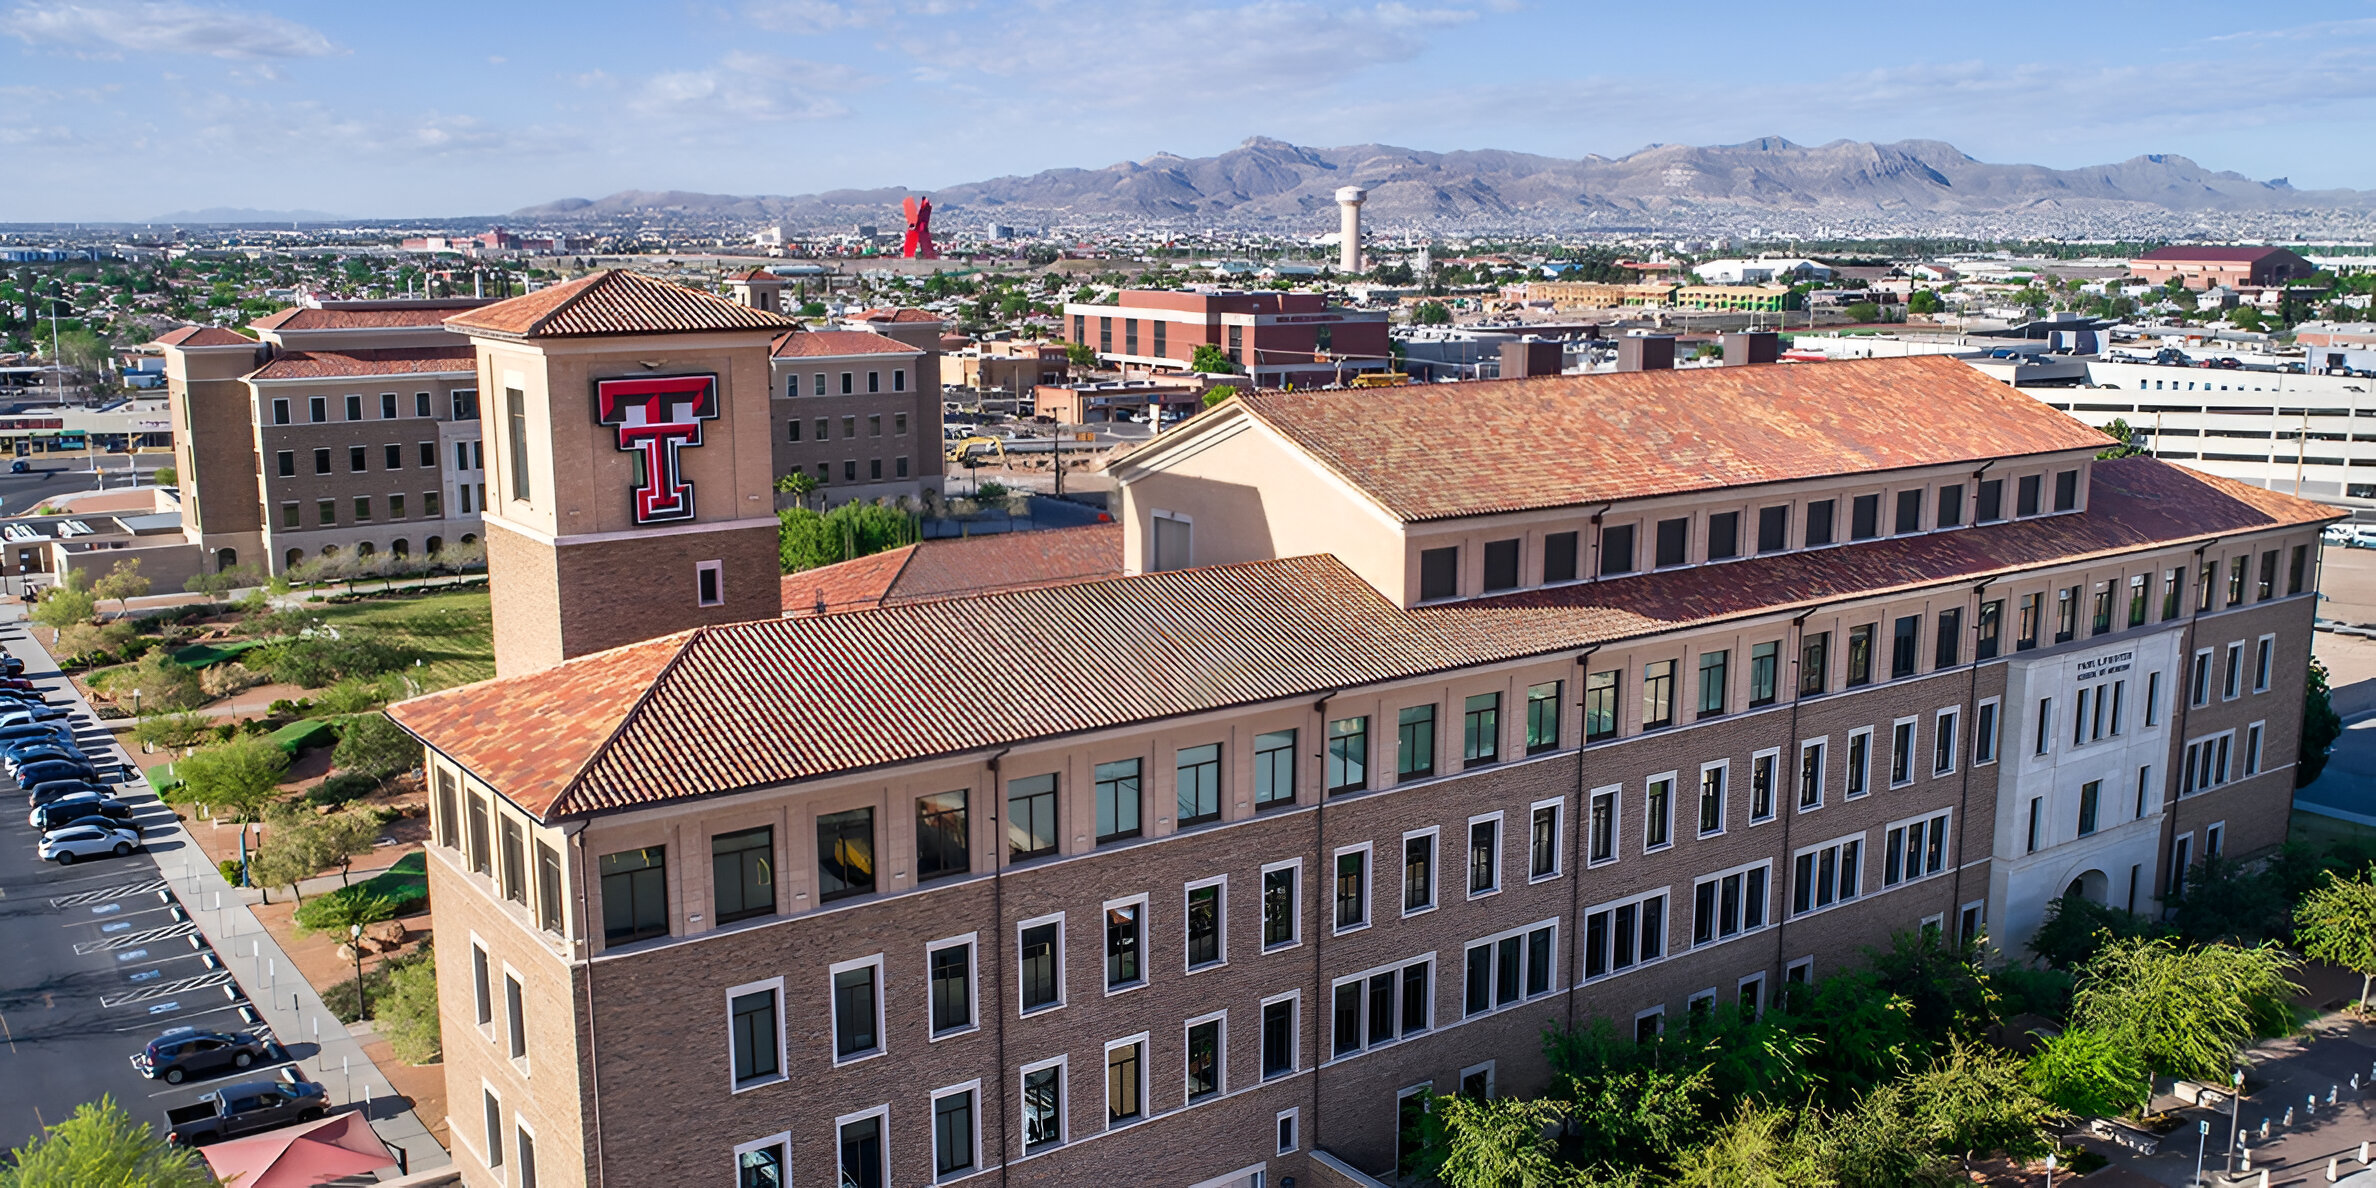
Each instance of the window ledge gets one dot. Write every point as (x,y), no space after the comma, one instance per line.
(1037,1011)
(1349,929)
(1208,967)
(1487,893)
(761,1082)
(1125,988)
(953,1033)
(1413,913)
(1553,877)
(860,1058)
(1282,948)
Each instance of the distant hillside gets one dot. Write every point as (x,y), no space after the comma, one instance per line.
(1265,180)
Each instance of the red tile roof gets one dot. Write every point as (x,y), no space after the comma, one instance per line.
(2182,254)
(756,274)
(832,344)
(394,361)
(1436,451)
(370,315)
(894,315)
(756,704)
(937,569)
(613,301)
(204,336)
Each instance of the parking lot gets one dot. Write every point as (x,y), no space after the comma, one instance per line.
(106,953)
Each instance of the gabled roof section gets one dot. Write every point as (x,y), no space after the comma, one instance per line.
(829,344)
(369,315)
(613,301)
(392,361)
(913,316)
(195,337)
(1439,451)
(937,569)
(750,705)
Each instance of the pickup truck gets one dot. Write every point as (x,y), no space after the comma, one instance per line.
(234,1110)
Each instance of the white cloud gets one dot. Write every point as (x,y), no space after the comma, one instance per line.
(742,87)
(114,27)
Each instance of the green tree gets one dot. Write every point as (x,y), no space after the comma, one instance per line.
(376,746)
(2246,317)
(2090,1074)
(335,913)
(123,583)
(2336,923)
(1862,311)
(1973,1100)
(1867,1033)
(1211,360)
(1496,1142)
(1081,356)
(100,1146)
(1432,313)
(2124,437)
(163,685)
(1945,989)
(165,476)
(222,581)
(797,484)
(172,731)
(240,776)
(2321,725)
(338,837)
(1755,1148)
(67,603)
(1216,395)
(1923,303)
(806,540)
(2186,1010)
(2077,928)
(408,1011)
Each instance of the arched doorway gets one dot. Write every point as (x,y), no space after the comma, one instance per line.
(292,558)
(2093,886)
(469,538)
(364,549)
(329,551)
(225,559)
(400,547)
(432,545)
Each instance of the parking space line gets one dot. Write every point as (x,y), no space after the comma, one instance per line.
(147,1024)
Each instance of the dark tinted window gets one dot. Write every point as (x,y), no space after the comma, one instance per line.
(1990,505)
(1501,565)
(1773,529)
(1909,511)
(1674,541)
(1559,557)
(1439,573)
(2066,490)
(1951,505)
(1617,550)
(1819,523)
(2025,503)
(1864,517)
(1724,535)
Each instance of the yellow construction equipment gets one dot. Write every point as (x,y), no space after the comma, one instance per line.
(1379,379)
(961,451)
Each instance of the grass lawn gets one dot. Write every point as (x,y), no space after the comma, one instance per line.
(2312,829)
(453,633)
(207,655)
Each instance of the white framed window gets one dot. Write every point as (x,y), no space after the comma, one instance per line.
(766,1161)
(1765,784)
(1933,924)
(1544,821)
(1902,743)
(2264,661)
(1205,928)
(2252,747)
(490,1144)
(2199,682)
(709,583)
(1971,920)
(515,1019)
(523,1153)
(1043,1086)
(862,1146)
(1039,963)
(1800,972)
(1857,772)
(1349,888)
(1750,993)
(1649,1024)
(2214,840)
(1810,772)
(1732,903)
(1624,934)
(1607,808)
(1484,854)
(1916,848)
(1204,1065)
(1282,905)
(1421,870)
(1125,943)
(1826,874)
(857,999)
(1282,1034)
(2231,685)
(1289,1122)
(1476,1081)
(1170,533)
(956,1130)
(1713,778)
(1700,1006)
(1944,742)
(1985,726)
(1658,812)
(755,1031)
(1380,1005)
(2206,762)
(952,979)
(1126,1081)
(1510,967)
(482,987)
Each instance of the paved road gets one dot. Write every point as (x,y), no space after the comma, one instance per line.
(2347,787)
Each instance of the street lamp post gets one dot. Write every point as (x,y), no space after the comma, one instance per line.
(2202,1139)
(2235,1119)
(355,942)
(2050,1170)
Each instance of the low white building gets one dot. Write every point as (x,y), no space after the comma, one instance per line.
(1760,272)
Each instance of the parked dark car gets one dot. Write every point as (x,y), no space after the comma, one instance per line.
(186,1052)
(12,666)
(234,1110)
(49,791)
(34,750)
(56,769)
(23,731)
(74,810)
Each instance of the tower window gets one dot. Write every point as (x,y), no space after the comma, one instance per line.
(706,584)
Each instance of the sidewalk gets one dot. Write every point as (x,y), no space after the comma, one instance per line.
(295,1012)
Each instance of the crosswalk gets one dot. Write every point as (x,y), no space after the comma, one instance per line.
(103,894)
(145,936)
(162,989)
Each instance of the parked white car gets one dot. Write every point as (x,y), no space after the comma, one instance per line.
(87,841)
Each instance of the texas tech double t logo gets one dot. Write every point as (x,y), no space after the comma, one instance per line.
(657,415)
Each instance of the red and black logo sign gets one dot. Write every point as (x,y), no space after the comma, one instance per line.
(656,416)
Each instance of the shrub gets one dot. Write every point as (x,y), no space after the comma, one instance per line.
(334,912)
(353,695)
(408,1015)
(165,476)
(341,788)
(373,745)
(229,869)
(163,685)
(2090,1074)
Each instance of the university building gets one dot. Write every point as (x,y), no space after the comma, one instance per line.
(1382,751)
(1274,339)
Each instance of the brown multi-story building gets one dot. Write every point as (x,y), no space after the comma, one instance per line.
(851,410)
(2201,266)
(1388,750)
(343,427)
(1274,339)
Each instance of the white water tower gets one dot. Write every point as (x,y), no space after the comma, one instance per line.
(1349,200)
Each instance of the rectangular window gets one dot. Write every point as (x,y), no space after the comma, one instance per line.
(757,1042)
(2025,503)
(286,463)
(1761,785)
(2173,585)
(2101,620)
(2091,795)
(1860,655)
(1198,775)
(1765,662)
(482,986)
(1031,816)
(321,460)
(1123,921)
(1730,903)
(1484,856)
(1901,753)
(1348,754)
(1117,800)
(953,1133)
(634,894)
(515,404)
(1508,968)
(354,408)
(1819,523)
(2200,683)
(1860,763)
(944,843)
(1909,512)
(2252,749)
(845,854)
(1658,695)
(1946,650)
(1542,843)
(2153,699)
(1773,529)
(1501,565)
(1810,775)
(2037,821)
(2297,568)
(548,888)
(1043,1106)
(2264,659)
(1203,1055)
(317,409)
(1039,955)
(1674,542)
(280,410)
(742,873)
(1950,505)
(1352,888)
(1600,706)
(1864,517)
(1712,682)
(2026,634)
(1480,730)
(1617,550)
(1943,743)
(429,500)
(1825,875)
(2066,490)
(1658,813)
(392,456)
(2232,686)
(2136,600)
(1414,742)
(1280,915)
(396,507)
(2045,725)
(857,1022)
(1204,912)
(1814,664)
(429,454)
(1724,535)
(1711,799)
(2235,584)
(1274,769)
(2066,614)
(1905,646)
(1914,850)
(1603,825)
(292,514)
(492,1112)
(1278,1037)
(1559,557)
(1542,718)
(1419,872)
(1622,935)
(950,965)
(1439,573)
(362,509)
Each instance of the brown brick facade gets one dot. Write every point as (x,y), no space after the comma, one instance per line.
(555,602)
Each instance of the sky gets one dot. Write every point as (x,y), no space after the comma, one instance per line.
(121,110)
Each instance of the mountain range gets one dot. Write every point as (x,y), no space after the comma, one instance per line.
(1269,181)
